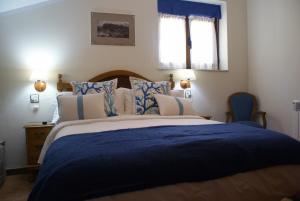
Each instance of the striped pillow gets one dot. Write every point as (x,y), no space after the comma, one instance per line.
(80,107)
(83,88)
(171,106)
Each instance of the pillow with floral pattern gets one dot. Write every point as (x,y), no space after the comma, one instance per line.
(83,88)
(144,95)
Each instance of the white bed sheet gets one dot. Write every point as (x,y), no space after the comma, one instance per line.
(116,123)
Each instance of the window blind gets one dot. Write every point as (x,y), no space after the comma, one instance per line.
(188,8)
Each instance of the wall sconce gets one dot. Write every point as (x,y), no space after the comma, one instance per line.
(185,76)
(40,85)
(185,84)
(39,79)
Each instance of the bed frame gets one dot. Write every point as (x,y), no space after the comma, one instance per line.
(122,75)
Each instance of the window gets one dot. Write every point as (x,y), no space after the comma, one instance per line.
(172,42)
(188,35)
(203,51)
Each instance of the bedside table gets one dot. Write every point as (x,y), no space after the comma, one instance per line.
(36,134)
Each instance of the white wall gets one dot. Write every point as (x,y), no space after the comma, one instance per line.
(274,59)
(7,5)
(62,29)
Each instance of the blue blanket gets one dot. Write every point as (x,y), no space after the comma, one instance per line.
(85,166)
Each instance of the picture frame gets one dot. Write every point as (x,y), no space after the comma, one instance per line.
(112,29)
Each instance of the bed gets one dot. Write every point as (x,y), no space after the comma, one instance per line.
(164,158)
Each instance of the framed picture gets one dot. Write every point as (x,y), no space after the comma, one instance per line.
(112,29)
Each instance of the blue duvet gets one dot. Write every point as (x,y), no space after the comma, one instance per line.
(79,167)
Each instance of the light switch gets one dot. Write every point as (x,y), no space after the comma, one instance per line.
(34,98)
(188,94)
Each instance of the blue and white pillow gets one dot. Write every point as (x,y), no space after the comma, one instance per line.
(144,95)
(83,88)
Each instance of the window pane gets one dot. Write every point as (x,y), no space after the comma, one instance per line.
(204,45)
(172,42)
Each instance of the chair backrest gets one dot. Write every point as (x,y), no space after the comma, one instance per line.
(243,106)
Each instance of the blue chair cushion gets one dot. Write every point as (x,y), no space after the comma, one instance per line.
(242,106)
(249,123)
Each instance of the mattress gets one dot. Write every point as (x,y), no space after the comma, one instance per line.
(272,183)
(116,123)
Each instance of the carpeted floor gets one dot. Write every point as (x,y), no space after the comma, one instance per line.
(18,187)
(15,188)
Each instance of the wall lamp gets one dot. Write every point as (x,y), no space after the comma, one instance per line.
(39,79)
(185,76)
(40,85)
(185,84)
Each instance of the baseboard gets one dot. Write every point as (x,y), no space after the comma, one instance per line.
(17,171)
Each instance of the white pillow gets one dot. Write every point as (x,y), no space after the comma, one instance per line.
(177,93)
(90,106)
(120,100)
(171,106)
(55,116)
(129,100)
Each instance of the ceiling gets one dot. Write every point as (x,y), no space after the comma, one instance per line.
(8,5)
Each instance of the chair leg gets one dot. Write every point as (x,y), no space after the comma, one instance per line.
(228,117)
(264,121)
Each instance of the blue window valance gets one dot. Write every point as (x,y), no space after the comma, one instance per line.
(187,8)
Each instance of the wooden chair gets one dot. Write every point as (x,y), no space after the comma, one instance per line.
(243,109)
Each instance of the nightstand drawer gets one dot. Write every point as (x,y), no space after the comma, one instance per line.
(33,154)
(35,137)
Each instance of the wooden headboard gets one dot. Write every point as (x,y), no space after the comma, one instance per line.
(122,75)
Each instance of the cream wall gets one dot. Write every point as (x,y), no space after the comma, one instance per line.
(62,29)
(274,59)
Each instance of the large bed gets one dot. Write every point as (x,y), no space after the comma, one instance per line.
(164,158)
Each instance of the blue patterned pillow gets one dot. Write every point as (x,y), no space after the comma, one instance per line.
(83,88)
(144,95)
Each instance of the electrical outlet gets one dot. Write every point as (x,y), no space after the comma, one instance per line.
(34,98)
(296,105)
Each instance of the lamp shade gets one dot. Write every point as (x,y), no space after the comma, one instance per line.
(185,74)
(38,75)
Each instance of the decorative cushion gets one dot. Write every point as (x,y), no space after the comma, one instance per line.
(170,106)
(144,95)
(83,88)
(55,116)
(128,100)
(177,93)
(131,79)
(80,107)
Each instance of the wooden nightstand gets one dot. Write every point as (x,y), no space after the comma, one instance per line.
(36,134)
